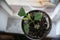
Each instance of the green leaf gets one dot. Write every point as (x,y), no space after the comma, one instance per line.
(21,12)
(38,16)
(26,28)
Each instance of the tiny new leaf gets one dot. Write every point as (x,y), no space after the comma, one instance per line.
(28,16)
(25,19)
(38,16)
(21,12)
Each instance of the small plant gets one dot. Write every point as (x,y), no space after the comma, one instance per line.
(34,23)
(38,16)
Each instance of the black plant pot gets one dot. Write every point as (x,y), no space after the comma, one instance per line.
(43,31)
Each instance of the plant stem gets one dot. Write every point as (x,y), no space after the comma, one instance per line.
(31,22)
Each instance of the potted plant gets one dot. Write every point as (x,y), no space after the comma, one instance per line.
(36,24)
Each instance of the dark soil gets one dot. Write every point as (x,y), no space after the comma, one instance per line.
(37,33)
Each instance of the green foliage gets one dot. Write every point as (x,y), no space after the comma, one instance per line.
(27,17)
(38,16)
(21,12)
(26,28)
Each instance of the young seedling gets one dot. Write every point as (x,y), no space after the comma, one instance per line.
(38,16)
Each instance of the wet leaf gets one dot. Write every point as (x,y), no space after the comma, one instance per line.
(21,12)
(38,16)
